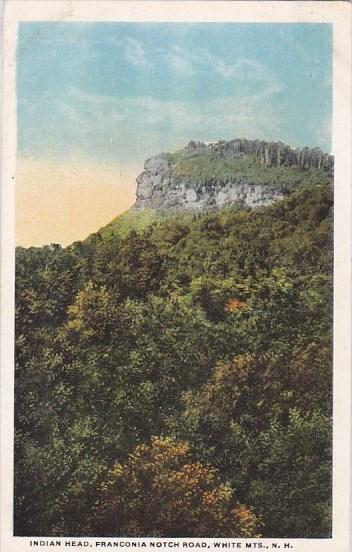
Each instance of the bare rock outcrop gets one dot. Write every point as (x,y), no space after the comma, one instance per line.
(165,183)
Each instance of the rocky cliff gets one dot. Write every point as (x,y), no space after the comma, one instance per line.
(247,172)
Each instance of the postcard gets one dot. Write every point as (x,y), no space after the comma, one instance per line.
(175,275)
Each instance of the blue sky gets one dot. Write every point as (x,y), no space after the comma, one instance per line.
(121,92)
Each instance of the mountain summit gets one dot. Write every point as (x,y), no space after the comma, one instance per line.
(244,172)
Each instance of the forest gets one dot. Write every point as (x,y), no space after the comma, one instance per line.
(175,380)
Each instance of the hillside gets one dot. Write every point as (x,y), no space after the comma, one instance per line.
(239,174)
(176,380)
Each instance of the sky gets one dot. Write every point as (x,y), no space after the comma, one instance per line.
(109,95)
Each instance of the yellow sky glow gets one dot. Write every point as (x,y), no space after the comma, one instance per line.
(58,203)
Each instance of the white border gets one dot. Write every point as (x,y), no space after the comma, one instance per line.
(339,14)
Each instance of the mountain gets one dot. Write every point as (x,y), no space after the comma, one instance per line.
(173,371)
(176,380)
(212,175)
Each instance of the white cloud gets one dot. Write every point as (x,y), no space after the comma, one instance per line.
(135,53)
(185,63)
(243,73)
(181,65)
(226,117)
(204,58)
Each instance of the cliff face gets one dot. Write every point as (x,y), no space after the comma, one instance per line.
(205,176)
(159,188)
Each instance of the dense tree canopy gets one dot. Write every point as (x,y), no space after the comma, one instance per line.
(202,341)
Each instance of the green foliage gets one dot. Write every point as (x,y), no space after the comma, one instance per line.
(130,220)
(211,329)
(297,456)
(205,166)
(246,420)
